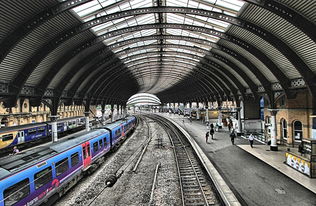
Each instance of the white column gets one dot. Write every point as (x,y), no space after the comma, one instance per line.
(197,113)
(220,118)
(54,128)
(239,129)
(313,126)
(87,121)
(103,115)
(206,114)
(112,114)
(273,146)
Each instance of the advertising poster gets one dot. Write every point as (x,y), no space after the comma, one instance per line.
(298,163)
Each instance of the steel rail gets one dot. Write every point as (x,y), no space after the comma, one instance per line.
(191,195)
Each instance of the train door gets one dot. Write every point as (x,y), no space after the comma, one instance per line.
(21,138)
(86,154)
(123,131)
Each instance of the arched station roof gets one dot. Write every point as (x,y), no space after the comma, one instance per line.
(104,51)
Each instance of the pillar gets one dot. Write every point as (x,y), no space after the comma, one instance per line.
(206,114)
(239,125)
(220,118)
(273,146)
(197,111)
(112,113)
(103,115)
(313,126)
(190,106)
(53,120)
(124,111)
(87,121)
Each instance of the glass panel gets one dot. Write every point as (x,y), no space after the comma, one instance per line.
(74,159)
(43,177)
(16,192)
(95,147)
(61,166)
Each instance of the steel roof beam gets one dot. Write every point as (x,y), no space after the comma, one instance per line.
(218,84)
(27,70)
(25,28)
(256,52)
(289,14)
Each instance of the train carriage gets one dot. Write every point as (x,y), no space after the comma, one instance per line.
(34,176)
(28,178)
(11,136)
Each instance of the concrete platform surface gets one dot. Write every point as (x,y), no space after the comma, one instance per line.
(253,180)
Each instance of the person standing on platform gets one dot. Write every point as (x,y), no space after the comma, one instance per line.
(206,137)
(232,136)
(212,131)
(229,125)
(251,138)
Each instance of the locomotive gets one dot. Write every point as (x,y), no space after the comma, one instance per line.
(47,172)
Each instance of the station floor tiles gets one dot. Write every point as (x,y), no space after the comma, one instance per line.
(255,175)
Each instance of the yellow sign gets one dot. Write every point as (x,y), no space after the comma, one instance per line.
(298,163)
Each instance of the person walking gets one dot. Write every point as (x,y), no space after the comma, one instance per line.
(206,136)
(232,136)
(229,124)
(212,132)
(251,138)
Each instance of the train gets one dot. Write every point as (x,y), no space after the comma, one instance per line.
(17,135)
(43,174)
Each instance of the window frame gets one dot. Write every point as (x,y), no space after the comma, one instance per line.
(37,178)
(61,162)
(71,159)
(95,148)
(25,185)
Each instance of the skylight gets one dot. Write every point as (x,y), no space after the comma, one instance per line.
(159,41)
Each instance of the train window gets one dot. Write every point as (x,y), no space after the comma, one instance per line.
(61,166)
(89,150)
(95,147)
(100,143)
(43,177)
(84,152)
(7,137)
(16,192)
(41,129)
(74,159)
(32,131)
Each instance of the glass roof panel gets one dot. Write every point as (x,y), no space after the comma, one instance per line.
(137,49)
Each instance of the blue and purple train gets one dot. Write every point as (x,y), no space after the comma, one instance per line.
(16,135)
(47,172)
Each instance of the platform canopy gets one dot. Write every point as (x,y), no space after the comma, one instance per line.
(104,51)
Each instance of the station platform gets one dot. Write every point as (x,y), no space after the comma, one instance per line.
(256,175)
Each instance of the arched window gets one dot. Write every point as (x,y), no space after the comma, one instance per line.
(297,130)
(283,128)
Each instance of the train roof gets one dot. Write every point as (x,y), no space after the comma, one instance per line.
(7,129)
(15,163)
(114,124)
(71,141)
(66,119)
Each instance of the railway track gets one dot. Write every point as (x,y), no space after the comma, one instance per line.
(194,186)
